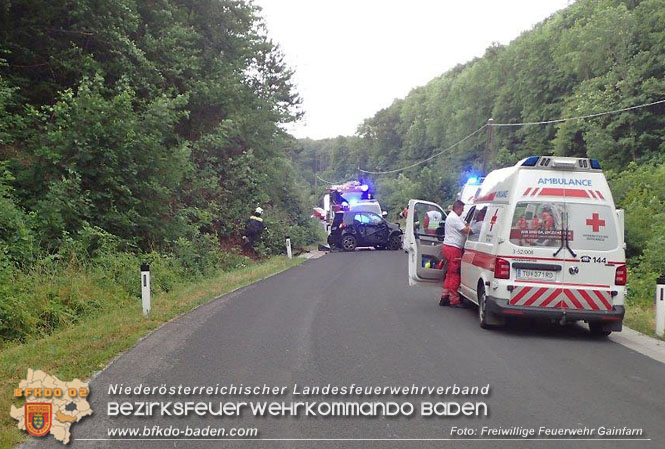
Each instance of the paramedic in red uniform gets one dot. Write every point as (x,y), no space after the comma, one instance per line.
(453,244)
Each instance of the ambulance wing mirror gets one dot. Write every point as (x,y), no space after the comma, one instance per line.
(621,218)
(469,215)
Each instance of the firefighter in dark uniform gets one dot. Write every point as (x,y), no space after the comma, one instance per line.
(254,228)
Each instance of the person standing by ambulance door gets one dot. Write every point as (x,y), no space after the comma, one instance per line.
(453,245)
(432,221)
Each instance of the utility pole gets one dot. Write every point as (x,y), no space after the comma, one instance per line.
(316,175)
(490,152)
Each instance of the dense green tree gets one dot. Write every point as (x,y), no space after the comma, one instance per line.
(594,56)
(154,121)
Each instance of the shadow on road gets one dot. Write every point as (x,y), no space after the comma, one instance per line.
(525,327)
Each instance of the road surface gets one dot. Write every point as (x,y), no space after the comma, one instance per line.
(352,319)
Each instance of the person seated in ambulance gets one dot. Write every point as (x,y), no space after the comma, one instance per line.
(453,244)
(477,223)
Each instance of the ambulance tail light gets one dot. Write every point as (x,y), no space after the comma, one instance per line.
(501,268)
(342,225)
(621,275)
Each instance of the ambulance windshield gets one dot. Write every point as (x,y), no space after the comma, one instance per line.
(541,224)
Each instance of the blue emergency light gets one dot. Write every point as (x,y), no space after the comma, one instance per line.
(531,161)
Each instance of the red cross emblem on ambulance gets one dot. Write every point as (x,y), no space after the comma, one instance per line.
(595,222)
(493,220)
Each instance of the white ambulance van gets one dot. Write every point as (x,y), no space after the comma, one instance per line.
(470,191)
(548,243)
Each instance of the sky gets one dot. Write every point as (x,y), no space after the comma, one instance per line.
(354,57)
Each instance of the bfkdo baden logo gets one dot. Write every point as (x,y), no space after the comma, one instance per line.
(38,417)
(51,406)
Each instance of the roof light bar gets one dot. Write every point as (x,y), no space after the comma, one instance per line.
(559,163)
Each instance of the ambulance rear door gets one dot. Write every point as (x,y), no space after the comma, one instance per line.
(594,252)
(422,245)
(537,252)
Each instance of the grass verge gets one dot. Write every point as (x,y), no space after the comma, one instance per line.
(641,318)
(88,346)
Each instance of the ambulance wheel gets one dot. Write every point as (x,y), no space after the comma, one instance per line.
(598,330)
(349,243)
(394,243)
(482,308)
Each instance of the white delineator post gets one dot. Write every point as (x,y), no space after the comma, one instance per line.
(660,306)
(145,288)
(288,247)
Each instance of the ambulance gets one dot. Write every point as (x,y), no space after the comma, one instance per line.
(546,242)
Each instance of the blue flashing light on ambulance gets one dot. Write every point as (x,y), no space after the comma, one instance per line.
(549,244)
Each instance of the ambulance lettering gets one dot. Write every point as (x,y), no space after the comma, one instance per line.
(564,182)
(594,259)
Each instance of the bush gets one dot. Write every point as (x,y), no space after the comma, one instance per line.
(640,191)
(278,227)
(17,242)
(94,272)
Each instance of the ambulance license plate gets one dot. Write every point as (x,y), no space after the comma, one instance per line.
(535,275)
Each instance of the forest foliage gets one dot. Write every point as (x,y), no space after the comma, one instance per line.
(135,130)
(594,56)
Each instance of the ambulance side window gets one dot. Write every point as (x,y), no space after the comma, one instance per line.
(477,224)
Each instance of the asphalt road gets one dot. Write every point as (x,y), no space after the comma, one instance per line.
(352,319)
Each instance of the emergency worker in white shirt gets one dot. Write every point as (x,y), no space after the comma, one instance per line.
(432,221)
(453,244)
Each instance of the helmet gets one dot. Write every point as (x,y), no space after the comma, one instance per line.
(258,211)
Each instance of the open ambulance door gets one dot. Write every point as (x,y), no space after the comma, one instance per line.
(423,242)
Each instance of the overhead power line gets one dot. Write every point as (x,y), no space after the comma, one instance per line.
(504,125)
(327,182)
(581,117)
(424,160)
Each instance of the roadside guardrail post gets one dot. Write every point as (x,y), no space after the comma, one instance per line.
(145,288)
(288,247)
(660,306)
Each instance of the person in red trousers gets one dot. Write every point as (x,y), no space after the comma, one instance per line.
(453,245)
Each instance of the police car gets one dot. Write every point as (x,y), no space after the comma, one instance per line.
(549,244)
